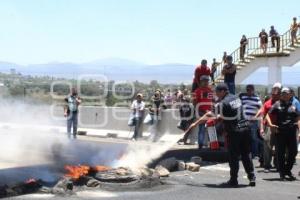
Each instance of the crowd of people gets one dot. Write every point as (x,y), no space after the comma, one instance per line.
(252,128)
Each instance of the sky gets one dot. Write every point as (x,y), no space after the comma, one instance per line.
(147,31)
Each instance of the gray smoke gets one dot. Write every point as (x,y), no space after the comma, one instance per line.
(33,144)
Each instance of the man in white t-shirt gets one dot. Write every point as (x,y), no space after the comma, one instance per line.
(138,107)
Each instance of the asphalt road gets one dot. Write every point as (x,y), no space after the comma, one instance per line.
(180,185)
(200,185)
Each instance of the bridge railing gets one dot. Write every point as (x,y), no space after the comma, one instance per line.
(253,48)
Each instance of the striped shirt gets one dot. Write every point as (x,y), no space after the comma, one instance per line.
(251,105)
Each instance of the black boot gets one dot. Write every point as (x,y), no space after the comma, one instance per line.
(231,183)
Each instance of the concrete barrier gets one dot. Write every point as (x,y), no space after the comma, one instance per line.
(109,119)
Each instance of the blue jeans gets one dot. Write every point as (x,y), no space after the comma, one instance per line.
(231,87)
(254,139)
(137,127)
(72,120)
(201,135)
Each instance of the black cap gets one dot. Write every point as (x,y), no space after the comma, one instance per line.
(221,86)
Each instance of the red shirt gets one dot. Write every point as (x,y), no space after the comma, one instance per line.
(267,106)
(203,99)
(199,71)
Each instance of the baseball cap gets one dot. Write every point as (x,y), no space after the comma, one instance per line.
(277,85)
(286,90)
(204,77)
(221,86)
(139,95)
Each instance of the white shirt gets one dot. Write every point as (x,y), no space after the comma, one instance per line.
(139,108)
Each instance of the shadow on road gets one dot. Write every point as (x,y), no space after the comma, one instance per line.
(224,186)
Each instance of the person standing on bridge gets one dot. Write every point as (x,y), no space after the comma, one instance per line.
(229,72)
(243,44)
(263,40)
(224,57)
(275,37)
(288,120)
(213,70)
(294,30)
(71,112)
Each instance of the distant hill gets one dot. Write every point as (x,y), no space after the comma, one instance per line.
(113,69)
(126,70)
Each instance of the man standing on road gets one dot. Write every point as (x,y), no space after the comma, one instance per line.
(138,107)
(288,120)
(251,105)
(268,133)
(230,111)
(71,112)
(203,101)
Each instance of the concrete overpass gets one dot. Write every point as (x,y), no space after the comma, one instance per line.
(287,55)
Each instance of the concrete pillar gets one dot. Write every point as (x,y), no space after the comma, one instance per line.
(274,71)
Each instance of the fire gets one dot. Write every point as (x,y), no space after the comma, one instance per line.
(100,168)
(75,172)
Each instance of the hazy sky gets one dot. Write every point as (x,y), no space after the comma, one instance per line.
(148,31)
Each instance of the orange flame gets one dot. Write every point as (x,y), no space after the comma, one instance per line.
(100,168)
(75,172)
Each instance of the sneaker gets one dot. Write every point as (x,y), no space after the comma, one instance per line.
(266,170)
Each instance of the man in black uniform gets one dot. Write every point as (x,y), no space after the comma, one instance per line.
(229,110)
(288,120)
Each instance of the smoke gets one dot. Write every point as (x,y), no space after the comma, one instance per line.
(141,153)
(34,144)
(24,142)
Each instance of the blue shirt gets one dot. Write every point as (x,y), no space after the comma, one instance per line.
(296,103)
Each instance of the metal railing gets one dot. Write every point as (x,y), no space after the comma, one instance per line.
(253,48)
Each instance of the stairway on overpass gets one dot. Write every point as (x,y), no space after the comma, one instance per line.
(254,58)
